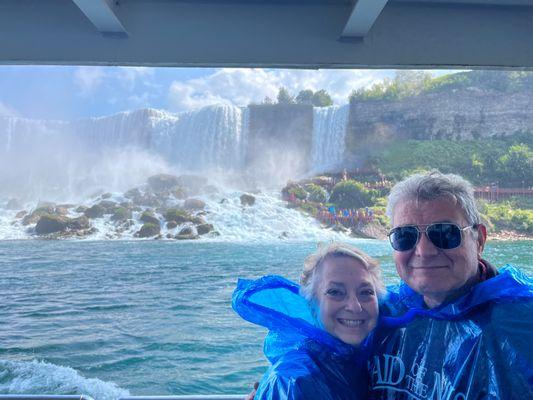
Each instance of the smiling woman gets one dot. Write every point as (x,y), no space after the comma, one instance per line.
(316,342)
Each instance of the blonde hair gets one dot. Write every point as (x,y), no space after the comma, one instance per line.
(310,277)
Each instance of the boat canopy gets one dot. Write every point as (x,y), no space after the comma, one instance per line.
(269,33)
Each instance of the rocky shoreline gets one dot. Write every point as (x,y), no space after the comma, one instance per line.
(164,201)
(507,235)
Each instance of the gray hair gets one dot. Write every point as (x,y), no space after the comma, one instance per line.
(434,185)
(310,277)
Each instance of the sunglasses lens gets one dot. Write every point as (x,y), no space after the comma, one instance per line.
(403,238)
(444,236)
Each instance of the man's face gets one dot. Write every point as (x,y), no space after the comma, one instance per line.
(437,274)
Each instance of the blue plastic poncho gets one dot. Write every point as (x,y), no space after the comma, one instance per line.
(477,347)
(307,362)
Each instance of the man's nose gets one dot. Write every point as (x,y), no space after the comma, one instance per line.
(424,247)
(353,304)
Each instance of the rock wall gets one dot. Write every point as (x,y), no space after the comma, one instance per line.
(458,115)
(279,138)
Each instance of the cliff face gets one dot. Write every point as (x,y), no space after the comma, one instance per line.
(460,115)
(279,138)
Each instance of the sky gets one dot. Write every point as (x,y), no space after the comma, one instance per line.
(74,92)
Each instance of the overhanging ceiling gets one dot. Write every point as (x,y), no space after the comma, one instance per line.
(254,33)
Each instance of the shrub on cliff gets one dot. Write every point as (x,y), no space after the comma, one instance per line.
(298,192)
(350,194)
(316,193)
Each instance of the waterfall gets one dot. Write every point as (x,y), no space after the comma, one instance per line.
(211,137)
(329,132)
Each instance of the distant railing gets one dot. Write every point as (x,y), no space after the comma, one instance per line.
(495,193)
(85,397)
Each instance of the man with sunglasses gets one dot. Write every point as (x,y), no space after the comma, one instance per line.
(464,327)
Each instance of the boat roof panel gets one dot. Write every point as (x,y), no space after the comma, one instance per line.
(255,33)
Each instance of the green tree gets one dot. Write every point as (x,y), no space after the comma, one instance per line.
(284,97)
(350,194)
(316,193)
(321,98)
(305,97)
(516,165)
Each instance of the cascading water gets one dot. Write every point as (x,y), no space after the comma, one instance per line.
(329,133)
(70,161)
(209,138)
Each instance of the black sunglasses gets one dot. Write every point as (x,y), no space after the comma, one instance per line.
(443,235)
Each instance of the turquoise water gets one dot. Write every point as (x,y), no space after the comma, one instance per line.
(150,317)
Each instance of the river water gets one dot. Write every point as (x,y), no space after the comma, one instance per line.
(110,318)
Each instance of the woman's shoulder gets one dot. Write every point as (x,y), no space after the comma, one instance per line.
(299,375)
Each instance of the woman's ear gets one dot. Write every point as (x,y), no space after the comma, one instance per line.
(481,239)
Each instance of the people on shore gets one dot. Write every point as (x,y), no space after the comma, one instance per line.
(456,328)
(315,343)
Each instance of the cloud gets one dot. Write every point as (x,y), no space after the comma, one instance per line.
(128,76)
(88,79)
(7,111)
(243,86)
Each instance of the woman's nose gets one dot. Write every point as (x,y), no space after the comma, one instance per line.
(353,304)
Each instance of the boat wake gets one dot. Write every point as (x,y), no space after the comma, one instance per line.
(39,377)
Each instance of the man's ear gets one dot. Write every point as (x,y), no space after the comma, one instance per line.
(481,239)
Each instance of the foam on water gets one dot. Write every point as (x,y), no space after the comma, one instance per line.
(267,219)
(39,377)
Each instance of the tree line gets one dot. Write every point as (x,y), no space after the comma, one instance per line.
(319,98)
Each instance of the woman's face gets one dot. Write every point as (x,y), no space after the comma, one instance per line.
(347,299)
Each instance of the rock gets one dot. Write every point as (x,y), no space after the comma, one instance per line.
(106,196)
(224,201)
(21,214)
(132,193)
(13,204)
(81,209)
(148,230)
(50,224)
(49,205)
(247,199)
(372,230)
(121,214)
(194,204)
(161,182)
(171,225)
(323,181)
(108,205)
(61,210)
(96,211)
(284,235)
(79,223)
(178,216)
(149,217)
(204,228)
(147,200)
(169,236)
(198,220)
(187,233)
(37,214)
(340,228)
